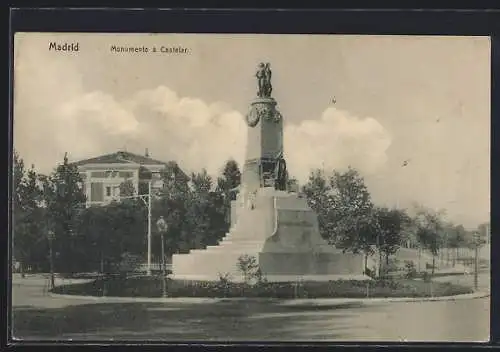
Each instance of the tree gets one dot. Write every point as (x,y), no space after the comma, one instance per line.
(65,200)
(172,204)
(29,233)
(226,183)
(174,181)
(20,212)
(455,237)
(198,207)
(18,209)
(351,222)
(94,237)
(484,231)
(344,209)
(317,192)
(127,189)
(37,234)
(429,231)
(18,174)
(106,233)
(126,230)
(231,175)
(390,226)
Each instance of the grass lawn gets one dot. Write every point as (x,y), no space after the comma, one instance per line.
(152,287)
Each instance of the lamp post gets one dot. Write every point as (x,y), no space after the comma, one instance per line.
(477,245)
(146,199)
(50,237)
(149,228)
(162,226)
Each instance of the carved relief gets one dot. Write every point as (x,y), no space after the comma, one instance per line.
(262,111)
(253,118)
(277,116)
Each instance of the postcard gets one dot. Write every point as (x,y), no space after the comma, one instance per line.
(244,187)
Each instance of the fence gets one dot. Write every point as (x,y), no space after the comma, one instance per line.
(142,267)
(155,266)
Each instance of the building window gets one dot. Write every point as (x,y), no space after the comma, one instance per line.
(126,174)
(108,191)
(111,174)
(157,184)
(96,192)
(98,174)
(116,191)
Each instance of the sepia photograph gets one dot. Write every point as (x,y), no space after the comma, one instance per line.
(250,187)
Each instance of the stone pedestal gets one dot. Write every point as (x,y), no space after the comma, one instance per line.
(282,233)
(264,143)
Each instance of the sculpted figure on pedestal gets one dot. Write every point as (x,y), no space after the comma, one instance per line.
(264,80)
(280,173)
(268,85)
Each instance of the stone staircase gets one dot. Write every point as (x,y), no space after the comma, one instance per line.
(247,236)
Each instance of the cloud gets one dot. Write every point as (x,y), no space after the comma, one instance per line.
(98,109)
(193,132)
(50,119)
(54,113)
(200,134)
(83,104)
(336,140)
(42,87)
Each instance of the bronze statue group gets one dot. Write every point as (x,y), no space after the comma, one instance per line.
(264,80)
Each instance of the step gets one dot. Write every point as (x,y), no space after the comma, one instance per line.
(193,251)
(239,250)
(237,243)
(240,242)
(254,248)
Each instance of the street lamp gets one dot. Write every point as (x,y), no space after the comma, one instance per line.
(50,237)
(146,199)
(477,244)
(162,226)
(149,228)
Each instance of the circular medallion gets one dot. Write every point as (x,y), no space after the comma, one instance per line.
(252,118)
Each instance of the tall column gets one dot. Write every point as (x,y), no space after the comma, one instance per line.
(264,143)
(88,188)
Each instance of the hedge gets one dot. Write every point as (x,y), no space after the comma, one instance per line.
(152,287)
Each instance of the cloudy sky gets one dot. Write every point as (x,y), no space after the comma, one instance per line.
(419,101)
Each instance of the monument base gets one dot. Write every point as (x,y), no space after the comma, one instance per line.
(281,231)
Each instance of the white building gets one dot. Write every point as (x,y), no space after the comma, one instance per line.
(103,175)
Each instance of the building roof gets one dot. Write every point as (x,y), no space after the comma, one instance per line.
(120,157)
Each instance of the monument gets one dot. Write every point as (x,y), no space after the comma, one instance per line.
(268,222)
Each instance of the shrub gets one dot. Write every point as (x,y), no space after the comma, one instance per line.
(430,266)
(249,268)
(391,266)
(426,276)
(224,283)
(371,273)
(410,269)
(129,263)
(152,287)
